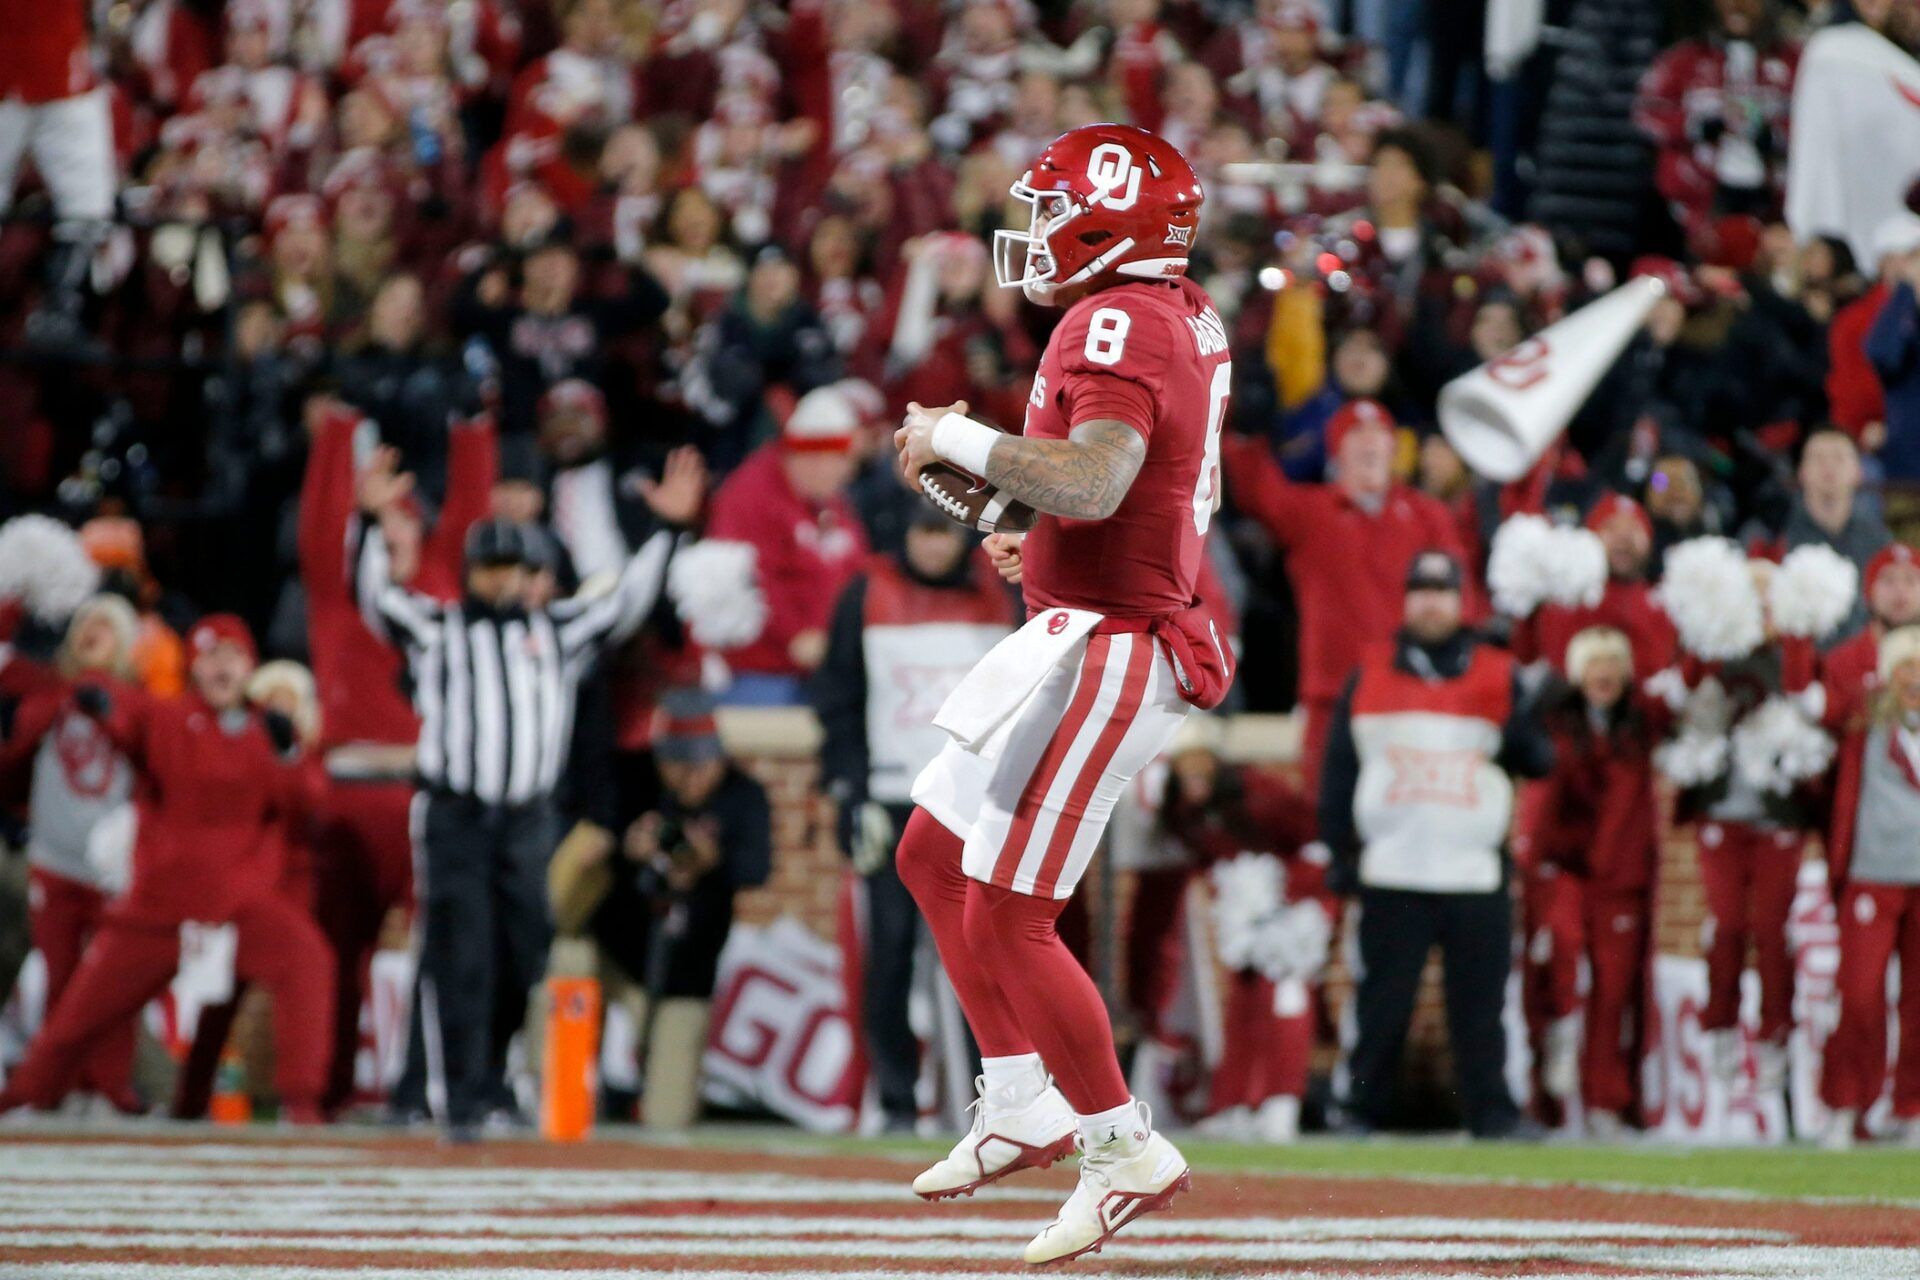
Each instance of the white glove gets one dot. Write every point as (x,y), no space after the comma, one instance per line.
(873,837)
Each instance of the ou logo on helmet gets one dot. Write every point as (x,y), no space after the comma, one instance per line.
(1115,177)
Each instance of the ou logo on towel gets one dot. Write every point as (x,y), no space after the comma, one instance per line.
(1056,624)
(1110,168)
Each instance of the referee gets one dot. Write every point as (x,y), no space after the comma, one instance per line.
(494,683)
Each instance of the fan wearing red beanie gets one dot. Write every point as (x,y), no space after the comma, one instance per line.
(1628,604)
(1348,544)
(215,781)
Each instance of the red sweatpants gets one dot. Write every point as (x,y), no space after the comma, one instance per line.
(1153,947)
(1313,742)
(65,916)
(1265,1053)
(1877,922)
(1019,985)
(363,868)
(1751,874)
(128,964)
(1567,918)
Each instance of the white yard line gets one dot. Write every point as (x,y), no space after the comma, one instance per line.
(1758,1260)
(360,1222)
(251,1271)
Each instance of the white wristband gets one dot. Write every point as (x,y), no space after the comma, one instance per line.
(964,442)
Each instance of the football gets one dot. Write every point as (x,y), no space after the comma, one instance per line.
(973,502)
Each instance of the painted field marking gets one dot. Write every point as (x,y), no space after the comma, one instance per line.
(382,1225)
(1759,1260)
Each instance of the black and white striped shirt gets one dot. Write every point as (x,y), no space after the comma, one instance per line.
(496,691)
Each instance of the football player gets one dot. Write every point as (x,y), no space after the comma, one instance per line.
(1120,455)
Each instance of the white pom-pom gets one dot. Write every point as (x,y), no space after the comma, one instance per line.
(1293,942)
(1580,568)
(1708,591)
(1812,591)
(1692,759)
(1776,748)
(1517,565)
(716,593)
(1247,889)
(1698,753)
(1533,561)
(43,565)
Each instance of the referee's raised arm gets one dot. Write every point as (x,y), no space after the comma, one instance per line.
(582,622)
(391,612)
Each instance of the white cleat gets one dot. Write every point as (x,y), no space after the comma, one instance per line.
(1004,1140)
(1840,1129)
(1115,1188)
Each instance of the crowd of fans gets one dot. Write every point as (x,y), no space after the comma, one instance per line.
(522,251)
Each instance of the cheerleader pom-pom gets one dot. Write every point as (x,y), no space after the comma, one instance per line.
(1776,748)
(1812,592)
(1533,562)
(714,590)
(1293,942)
(1520,565)
(1246,892)
(1709,593)
(1698,754)
(1579,568)
(1692,759)
(44,567)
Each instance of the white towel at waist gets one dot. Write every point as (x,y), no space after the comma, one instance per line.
(1001,682)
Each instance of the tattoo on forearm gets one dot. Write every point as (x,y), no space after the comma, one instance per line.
(1083,477)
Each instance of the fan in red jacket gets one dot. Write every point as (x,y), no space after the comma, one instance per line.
(1876,814)
(1628,606)
(1855,1063)
(1348,545)
(216,782)
(56,109)
(1219,811)
(78,796)
(363,850)
(1717,108)
(1586,845)
(789,501)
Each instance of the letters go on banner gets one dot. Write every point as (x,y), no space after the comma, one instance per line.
(780,1037)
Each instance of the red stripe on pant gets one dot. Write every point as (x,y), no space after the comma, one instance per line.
(1133,691)
(1877,922)
(1092,670)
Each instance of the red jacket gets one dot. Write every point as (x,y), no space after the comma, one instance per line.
(806,555)
(1627,606)
(358,676)
(1595,815)
(44,56)
(214,807)
(1850,673)
(1348,567)
(1685,89)
(1854,394)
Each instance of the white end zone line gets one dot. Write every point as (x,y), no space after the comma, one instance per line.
(250,1271)
(1756,1260)
(407,1225)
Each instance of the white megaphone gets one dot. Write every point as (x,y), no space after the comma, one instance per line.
(1501,417)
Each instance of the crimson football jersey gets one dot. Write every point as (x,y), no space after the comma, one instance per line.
(1151,354)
